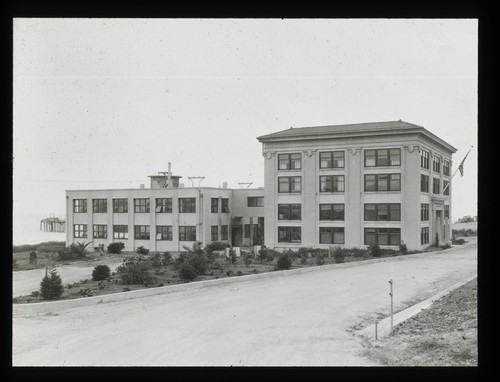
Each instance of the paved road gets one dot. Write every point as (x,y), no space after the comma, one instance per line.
(291,319)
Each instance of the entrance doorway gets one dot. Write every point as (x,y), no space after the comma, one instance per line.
(236,236)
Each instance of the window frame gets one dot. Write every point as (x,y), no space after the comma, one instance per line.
(185,230)
(389,182)
(79,206)
(255,201)
(333,162)
(80,231)
(214,233)
(331,231)
(187,206)
(424,159)
(289,231)
(141,205)
(424,212)
(214,205)
(379,154)
(142,232)
(436,186)
(446,190)
(446,167)
(424,235)
(389,208)
(331,212)
(287,209)
(224,205)
(165,233)
(120,231)
(383,232)
(120,205)
(436,164)
(424,183)
(288,181)
(334,180)
(224,232)
(163,205)
(287,159)
(100,206)
(101,230)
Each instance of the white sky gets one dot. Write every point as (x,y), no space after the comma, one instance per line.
(103,103)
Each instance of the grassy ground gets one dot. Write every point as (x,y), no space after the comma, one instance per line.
(445,334)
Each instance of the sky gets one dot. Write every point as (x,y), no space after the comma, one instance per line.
(103,103)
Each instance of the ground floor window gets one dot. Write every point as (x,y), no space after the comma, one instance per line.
(246,229)
(214,232)
(383,236)
(187,233)
(80,230)
(424,235)
(120,232)
(100,231)
(141,232)
(163,232)
(331,235)
(223,232)
(289,234)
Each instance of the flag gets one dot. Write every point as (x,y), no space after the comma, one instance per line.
(461,168)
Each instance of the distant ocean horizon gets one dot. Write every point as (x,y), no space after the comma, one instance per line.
(26,230)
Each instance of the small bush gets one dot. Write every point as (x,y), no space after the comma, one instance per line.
(303,258)
(375,250)
(100,272)
(445,246)
(267,254)
(116,248)
(135,271)
(284,261)
(320,259)
(167,258)
(156,259)
(458,241)
(51,286)
(358,252)
(247,259)
(338,255)
(215,246)
(402,248)
(142,251)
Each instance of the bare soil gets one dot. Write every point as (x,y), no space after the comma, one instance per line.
(445,334)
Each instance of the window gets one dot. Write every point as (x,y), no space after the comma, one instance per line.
(120,232)
(80,230)
(446,168)
(331,159)
(424,212)
(331,235)
(256,231)
(436,164)
(383,236)
(100,231)
(446,187)
(164,205)
(331,183)
(246,231)
(255,201)
(424,235)
(424,183)
(382,157)
(214,232)
(289,234)
(289,211)
(435,185)
(383,182)
(164,232)
(289,161)
(289,184)
(187,233)
(446,212)
(225,205)
(79,205)
(223,232)
(99,205)
(383,212)
(141,232)
(331,212)
(187,205)
(424,159)
(141,205)
(120,205)
(214,203)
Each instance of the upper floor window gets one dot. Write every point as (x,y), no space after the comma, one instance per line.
(436,164)
(100,205)
(289,184)
(187,205)
(331,183)
(382,182)
(424,183)
(424,212)
(382,157)
(141,232)
(141,205)
(163,232)
(289,234)
(446,187)
(120,205)
(424,159)
(446,211)
(79,205)
(80,230)
(446,167)
(164,205)
(289,161)
(224,205)
(331,159)
(383,212)
(289,211)
(255,201)
(435,185)
(331,212)
(214,205)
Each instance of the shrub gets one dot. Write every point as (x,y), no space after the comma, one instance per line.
(338,255)
(116,248)
(402,248)
(215,246)
(375,250)
(156,260)
(284,261)
(167,258)
(445,246)
(195,257)
(458,241)
(267,254)
(232,256)
(303,258)
(134,270)
(142,251)
(320,259)
(247,259)
(51,285)
(358,252)
(100,272)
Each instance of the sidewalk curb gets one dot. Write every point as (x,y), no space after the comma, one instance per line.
(384,325)
(46,307)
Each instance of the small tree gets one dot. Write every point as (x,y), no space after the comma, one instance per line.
(403,248)
(142,251)
(375,250)
(338,255)
(51,285)
(100,272)
(116,248)
(187,271)
(284,261)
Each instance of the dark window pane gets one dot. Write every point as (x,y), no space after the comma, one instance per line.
(370,184)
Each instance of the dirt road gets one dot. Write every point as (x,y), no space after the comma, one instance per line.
(289,320)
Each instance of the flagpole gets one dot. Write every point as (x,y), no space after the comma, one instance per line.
(461,163)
